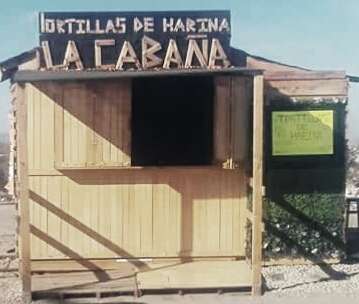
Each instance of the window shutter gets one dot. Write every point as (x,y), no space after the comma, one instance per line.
(231,121)
(95,123)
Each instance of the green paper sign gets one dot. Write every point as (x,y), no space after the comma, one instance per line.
(302,133)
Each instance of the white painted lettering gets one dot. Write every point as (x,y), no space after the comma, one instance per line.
(127,55)
(149,48)
(98,52)
(172,55)
(72,56)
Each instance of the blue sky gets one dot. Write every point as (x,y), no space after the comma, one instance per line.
(321,34)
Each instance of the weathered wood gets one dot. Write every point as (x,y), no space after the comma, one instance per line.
(257,225)
(138,194)
(85,214)
(231,123)
(189,275)
(240,113)
(58,126)
(10,66)
(70,265)
(283,80)
(92,125)
(303,75)
(306,87)
(24,212)
(31,76)
(222,121)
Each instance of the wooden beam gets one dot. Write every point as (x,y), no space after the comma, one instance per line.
(257,185)
(10,66)
(307,87)
(23,195)
(303,75)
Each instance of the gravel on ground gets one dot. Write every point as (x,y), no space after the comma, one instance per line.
(307,280)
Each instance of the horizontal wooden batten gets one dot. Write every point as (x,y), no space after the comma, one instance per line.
(306,87)
(31,76)
(113,169)
(189,275)
(303,75)
(56,265)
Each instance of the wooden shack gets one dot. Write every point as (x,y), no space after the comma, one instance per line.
(143,172)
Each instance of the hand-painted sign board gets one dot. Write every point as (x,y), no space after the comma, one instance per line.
(130,40)
(302,133)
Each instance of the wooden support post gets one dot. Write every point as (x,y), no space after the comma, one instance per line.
(23,194)
(257,185)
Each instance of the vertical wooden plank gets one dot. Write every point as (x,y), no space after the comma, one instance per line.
(90,107)
(74,211)
(126,103)
(43,214)
(127,198)
(73,97)
(199,214)
(45,92)
(58,125)
(106,100)
(226,220)
(160,214)
(54,226)
(65,208)
(114,124)
(25,256)
(94,217)
(239,187)
(221,123)
(37,125)
(31,207)
(166,235)
(116,212)
(176,184)
(98,116)
(241,209)
(212,212)
(36,219)
(146,207)
(257,184)
(119,125)
(187,222)
(105,212)
(87,209)
(82,120)
(31,127)
(67,126)
(239,120)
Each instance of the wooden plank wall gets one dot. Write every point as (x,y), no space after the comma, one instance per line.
(282,81)
(231,121)
(91,122)
(107,213)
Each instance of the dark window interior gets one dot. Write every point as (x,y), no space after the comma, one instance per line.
(172,121)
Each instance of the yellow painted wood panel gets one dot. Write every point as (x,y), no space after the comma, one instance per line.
(119,213)
(144,213)
(92,122)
